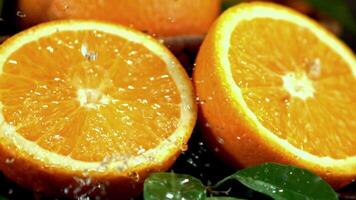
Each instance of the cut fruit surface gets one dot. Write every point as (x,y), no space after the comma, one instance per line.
(284,88)
(94,98)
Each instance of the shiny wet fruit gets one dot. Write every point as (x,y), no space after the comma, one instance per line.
(156,17)
(277,87)
(90,109)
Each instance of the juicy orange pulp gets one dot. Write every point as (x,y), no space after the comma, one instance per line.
(275,86)
(296,85)
(79,98)
(88,106)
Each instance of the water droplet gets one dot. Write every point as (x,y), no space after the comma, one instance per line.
(56,79)
(14,62)
(9,160)
(20,14)
(50,49)
(168,98)
(190,161)
(314,69)
(132,53)
(87,181)
(171,19)
(10,191)
(200,101)
(220,140)
(144,101)
(305,140)
(184,181)
(57,137)
(267,100)
(141,150)
(281,190)
(129,62)
(121,90)
(135,176)
(169,195)
(156,106)
(91,56)
(184,147)
(55,102)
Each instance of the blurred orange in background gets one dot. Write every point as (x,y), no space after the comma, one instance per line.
(157,17)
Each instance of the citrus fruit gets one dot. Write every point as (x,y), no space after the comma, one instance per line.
(159,17)
(89,108)
(274,86)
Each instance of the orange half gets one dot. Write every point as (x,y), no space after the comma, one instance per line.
(277,87)
(84,99)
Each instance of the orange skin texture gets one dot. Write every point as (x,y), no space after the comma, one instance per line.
(157,17)
(222,123)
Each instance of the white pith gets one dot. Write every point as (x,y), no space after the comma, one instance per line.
(298,85)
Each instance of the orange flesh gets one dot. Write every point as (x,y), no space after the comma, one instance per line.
(326,117)
(89,95)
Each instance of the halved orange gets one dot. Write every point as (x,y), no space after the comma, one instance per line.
(158,17)
(89,108)
(275,86)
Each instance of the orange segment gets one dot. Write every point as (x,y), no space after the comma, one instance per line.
(76,94)
(287,87)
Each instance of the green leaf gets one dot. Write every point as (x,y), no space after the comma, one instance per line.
(284,182)
(337,9)
(3,198)
(222,198)
(174,187)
